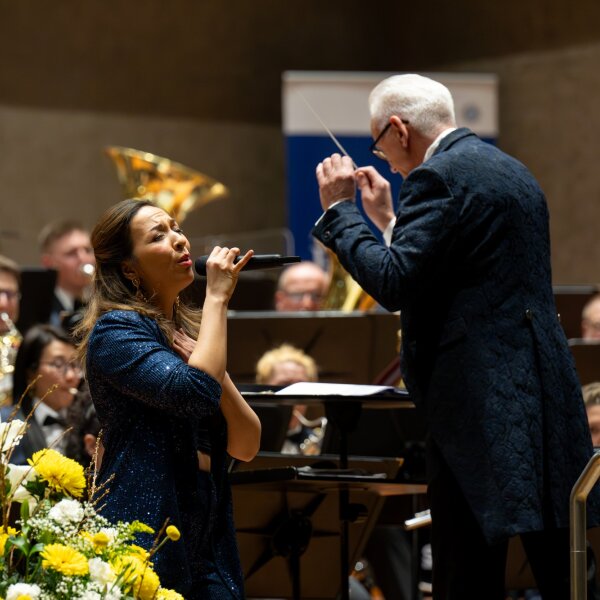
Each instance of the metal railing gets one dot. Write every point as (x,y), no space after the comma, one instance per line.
(578,526)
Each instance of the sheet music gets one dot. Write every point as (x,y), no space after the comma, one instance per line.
(334,389)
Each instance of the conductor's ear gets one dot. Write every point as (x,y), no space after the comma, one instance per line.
(401,130)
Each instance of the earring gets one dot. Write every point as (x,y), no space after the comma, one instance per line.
(139,294)
(176,308)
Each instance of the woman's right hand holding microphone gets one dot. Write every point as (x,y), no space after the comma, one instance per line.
(222,272)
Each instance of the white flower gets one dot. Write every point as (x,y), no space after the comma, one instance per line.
(23,589)
(113,593)
(11,433)
(18,475)
(67,511)
(101,571)
(89,596)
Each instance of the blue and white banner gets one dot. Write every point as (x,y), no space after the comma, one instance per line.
(340,99)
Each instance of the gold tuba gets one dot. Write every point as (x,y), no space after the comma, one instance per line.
(177,189)
(344,293)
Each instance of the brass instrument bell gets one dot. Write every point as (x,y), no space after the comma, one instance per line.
(344,293)
(177,189)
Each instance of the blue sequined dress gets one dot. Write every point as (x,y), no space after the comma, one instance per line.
(155,411)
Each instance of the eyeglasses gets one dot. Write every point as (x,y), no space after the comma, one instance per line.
(299,296)
(63,366)
(373,147)
(11,295)
(593,325)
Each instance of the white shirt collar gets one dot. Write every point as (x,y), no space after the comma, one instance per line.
(436,142)
(66,299)
(42,411)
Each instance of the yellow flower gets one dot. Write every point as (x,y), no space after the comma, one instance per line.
(173,533)
(146,586)
(61,473)
(138,577)
(4,535)
(139,552)
(165,594)
(65,560)
(100,540)
(23,597)
(139,527)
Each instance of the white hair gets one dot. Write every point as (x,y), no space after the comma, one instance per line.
(426,104)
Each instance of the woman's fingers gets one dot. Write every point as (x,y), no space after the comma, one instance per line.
(243,261)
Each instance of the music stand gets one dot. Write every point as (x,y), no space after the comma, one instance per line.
(274,421)
(255,290)
(37,295)
(369,341)
(288,528)
(343,413)
(367,465)
(390,433)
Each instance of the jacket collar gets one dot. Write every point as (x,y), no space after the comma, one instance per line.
(452,138)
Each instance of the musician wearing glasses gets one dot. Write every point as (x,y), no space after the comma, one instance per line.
(9,289)
(46,359)
(467,262)
(10,338)
(301,287)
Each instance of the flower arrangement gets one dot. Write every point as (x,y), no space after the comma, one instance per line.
(56,546)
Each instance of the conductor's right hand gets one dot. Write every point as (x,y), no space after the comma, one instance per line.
(222,273)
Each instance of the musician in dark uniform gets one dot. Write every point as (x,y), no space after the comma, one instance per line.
(484,356)
(46,359)
(65,246)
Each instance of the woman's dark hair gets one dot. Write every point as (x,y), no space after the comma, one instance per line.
(111,290)
(28,359)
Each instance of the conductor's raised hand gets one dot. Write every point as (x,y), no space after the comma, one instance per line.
(335,176)
(222,272)
(376,196)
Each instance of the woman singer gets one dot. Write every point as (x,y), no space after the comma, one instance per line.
(169,411)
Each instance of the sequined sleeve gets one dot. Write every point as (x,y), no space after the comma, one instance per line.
(130,353)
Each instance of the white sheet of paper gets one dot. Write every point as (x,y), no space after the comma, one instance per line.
(332,389)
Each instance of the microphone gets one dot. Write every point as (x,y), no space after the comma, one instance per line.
(258,261)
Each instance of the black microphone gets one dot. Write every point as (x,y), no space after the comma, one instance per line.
(258,261)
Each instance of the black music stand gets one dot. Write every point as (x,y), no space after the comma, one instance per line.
(391,467)
(37,295)
(274,421)
(343,413)
(390,433)
(255,290)
(369,340)
(288,532)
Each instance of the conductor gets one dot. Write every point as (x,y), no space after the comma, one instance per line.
(467,262)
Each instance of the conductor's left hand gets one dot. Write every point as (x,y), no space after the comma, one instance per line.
(335,176)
